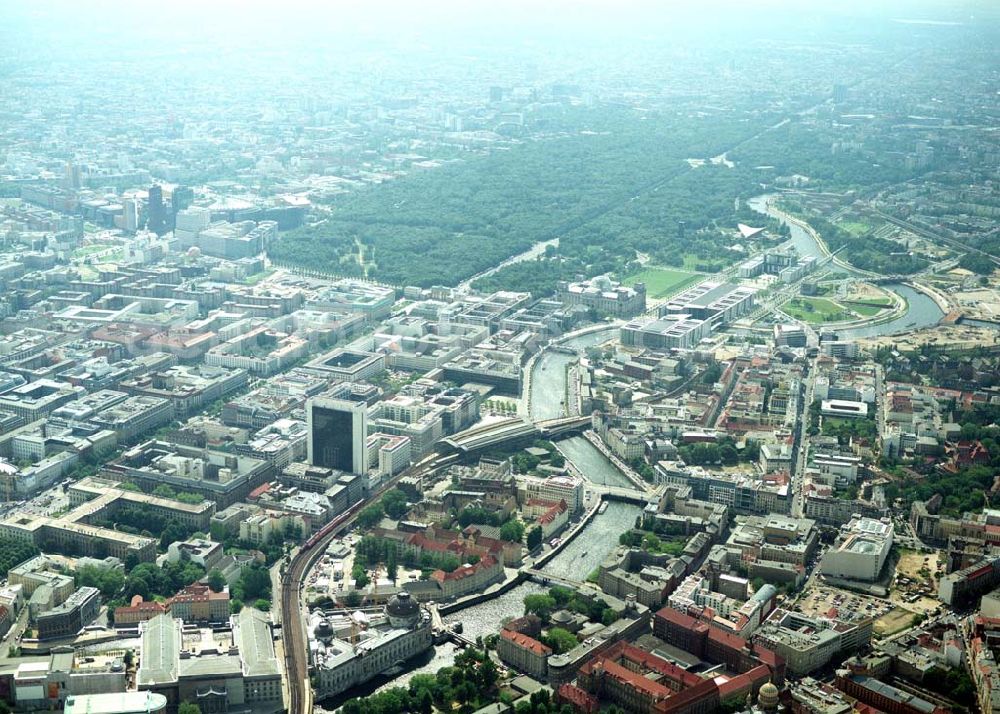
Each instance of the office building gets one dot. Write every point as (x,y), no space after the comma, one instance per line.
(344,365)
(156,211)
(338,432)
(843,408)
(67,619)
(676,332)
(519,647)
(861,550)
(58,682)
(809,643)
(965,585)
(180,198)
(718,303)
(789,336)
(553,488)
(37,399)
(883,697)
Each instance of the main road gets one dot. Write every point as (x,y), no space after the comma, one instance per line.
(800,452)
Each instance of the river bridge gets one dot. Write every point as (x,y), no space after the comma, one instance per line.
(543,578)
(622,493)
(443,632)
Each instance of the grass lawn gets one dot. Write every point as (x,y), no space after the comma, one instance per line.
(84,251)
(707,265)
(112,258)
(254,279)
(818,310)
(661,282)
(866,310)
(834,422)
(855,228)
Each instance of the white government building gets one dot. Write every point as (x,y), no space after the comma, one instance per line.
(860,551)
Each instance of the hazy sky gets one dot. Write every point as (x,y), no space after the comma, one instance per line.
(105,24)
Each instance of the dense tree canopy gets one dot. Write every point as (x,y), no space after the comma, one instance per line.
(14,551)
(610,183)
(108,580)
(472,214)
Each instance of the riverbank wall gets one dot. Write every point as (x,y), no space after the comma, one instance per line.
(939,299)
(524,406)
(626,470)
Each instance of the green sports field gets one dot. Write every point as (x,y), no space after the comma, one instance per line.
(661,282)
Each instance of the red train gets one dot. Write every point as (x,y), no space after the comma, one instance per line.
(332,525)
(436,461)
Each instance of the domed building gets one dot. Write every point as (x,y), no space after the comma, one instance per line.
(767,697)
(402,610)
(363,648)
(322,630)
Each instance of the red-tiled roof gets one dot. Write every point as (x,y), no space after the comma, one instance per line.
(769,657)
(553,513)
(139,606)
(624,651)
(681,700)
(465,571)
(526,642)
(577,698)
(637,681)
(743,682)
(259,491)
(198,593)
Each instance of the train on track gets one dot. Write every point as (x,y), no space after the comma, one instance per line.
(332,525)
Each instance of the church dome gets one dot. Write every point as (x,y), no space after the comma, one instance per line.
(767,697)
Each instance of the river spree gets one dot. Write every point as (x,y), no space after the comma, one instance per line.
(575,561)
(921,310)
(548,375)
(592,464)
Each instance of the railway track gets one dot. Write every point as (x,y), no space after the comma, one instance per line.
(293,632)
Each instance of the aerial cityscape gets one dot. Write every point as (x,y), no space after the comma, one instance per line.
(540,358)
